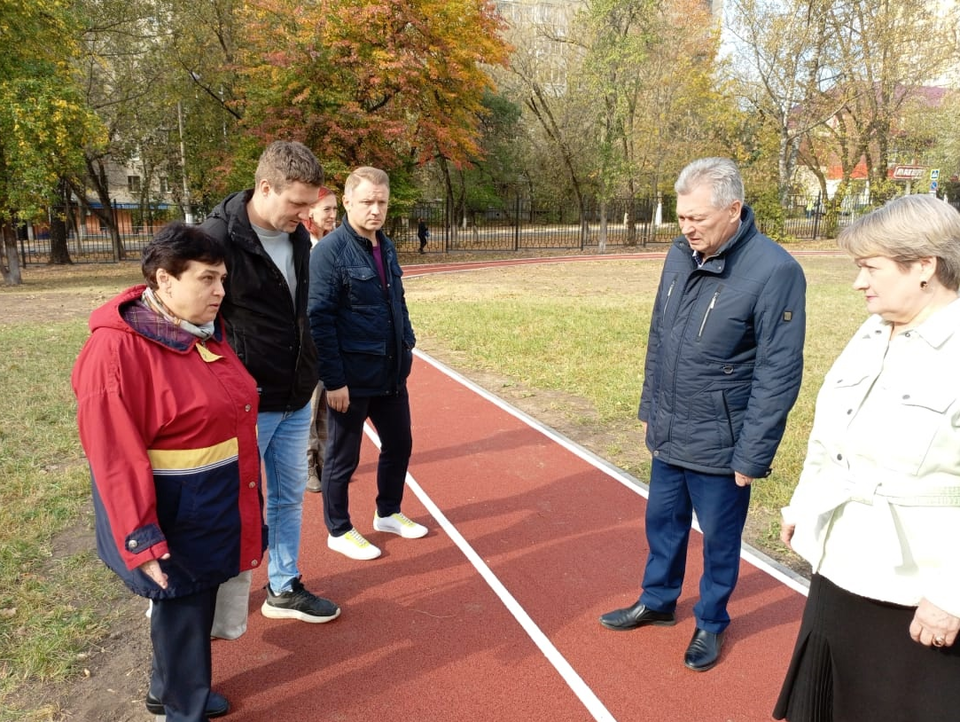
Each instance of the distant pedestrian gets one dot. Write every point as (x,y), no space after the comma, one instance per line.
(423,233)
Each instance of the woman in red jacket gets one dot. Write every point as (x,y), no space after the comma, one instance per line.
(167,417)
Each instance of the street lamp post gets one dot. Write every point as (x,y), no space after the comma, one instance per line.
(187,210)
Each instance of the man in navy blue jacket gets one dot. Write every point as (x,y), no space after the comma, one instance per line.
(723,369)
(359,321)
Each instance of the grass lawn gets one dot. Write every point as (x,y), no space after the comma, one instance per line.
(564,342)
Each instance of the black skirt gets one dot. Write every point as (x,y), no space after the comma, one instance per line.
(855,662)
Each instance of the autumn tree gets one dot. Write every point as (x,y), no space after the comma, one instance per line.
(835,79)
(43,120)
(201,51)
(558,121)
(395,84)
(780,69)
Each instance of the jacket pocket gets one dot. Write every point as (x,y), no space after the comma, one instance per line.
(365,364)
(406,363)
(364,286)
(922,434)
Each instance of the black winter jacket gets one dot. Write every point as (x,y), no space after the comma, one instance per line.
(725,355)
(361,329)
(265,327)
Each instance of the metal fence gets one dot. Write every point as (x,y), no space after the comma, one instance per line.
(517,225)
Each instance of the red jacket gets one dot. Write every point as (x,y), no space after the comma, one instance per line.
(168,425)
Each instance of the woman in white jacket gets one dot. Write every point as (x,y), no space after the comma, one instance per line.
(877,508)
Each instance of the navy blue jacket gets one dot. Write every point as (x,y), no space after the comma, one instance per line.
(361,330)
(725,355)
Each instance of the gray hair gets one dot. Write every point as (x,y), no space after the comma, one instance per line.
(375,176)
(907,229)
(721,174)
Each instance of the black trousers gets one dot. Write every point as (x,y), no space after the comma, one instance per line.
(390,416)
(182,671)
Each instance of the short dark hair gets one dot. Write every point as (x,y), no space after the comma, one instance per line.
(174,246)
(287,161)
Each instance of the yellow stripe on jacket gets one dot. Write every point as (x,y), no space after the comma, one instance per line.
(179,461)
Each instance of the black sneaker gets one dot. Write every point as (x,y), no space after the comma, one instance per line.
(300,604)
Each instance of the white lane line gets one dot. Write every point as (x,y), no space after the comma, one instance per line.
(567,672)
(752,556)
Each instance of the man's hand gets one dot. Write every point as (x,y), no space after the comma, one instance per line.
(339,399)
(742,479)
(152,570)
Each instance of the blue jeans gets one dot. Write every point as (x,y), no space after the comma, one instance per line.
(721,506)
(282,438)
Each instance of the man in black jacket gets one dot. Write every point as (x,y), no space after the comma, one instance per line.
(723,369)
(359,321)
(265,309)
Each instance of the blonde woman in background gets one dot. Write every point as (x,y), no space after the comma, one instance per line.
(322,220)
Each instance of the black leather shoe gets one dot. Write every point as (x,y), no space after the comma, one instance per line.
(217,705)
(703,653)
(636,616)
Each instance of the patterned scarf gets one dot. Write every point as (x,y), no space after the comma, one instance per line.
(151,301)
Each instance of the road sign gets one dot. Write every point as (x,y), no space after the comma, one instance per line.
(935,174)
(908,172)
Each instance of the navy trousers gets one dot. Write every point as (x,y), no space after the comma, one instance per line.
(182,670)
(390,416)
(721,507)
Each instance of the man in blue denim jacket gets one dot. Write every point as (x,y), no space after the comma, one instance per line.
(723,369)
(361,328)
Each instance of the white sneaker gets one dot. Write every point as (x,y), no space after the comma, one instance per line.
(353,545)
(399,524)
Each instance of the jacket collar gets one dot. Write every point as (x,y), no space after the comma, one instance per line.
(233,211)
(940,326)
(125,312)
(716,263)
(363,240)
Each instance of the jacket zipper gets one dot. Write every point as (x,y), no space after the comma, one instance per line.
(663,314)
(713,303)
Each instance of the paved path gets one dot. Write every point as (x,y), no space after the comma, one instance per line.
(493,615)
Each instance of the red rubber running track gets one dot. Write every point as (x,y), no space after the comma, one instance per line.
(493,615)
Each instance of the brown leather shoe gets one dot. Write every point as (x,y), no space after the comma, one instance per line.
(313,482)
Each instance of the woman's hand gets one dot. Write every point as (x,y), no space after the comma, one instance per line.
(152,570)
(933,627)
(786,533)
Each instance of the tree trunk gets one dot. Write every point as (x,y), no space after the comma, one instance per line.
(59,252)
(97,175)
(10,264)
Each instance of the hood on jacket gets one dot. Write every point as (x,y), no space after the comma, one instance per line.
(125,313)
